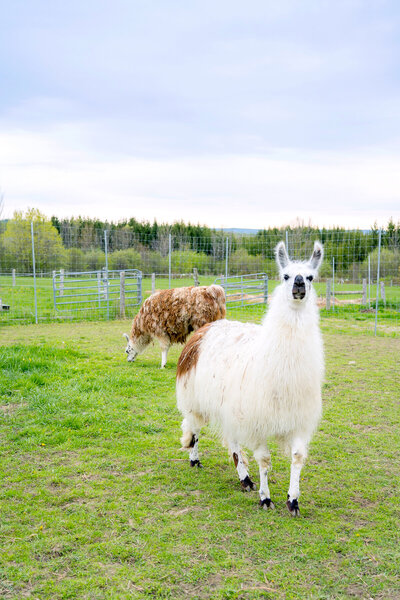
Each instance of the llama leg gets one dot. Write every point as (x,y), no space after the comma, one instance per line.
(190,441)
(164,352)
(299,454)
(241,467)
(263,457)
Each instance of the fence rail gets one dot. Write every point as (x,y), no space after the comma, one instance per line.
(245,290)
(96,290)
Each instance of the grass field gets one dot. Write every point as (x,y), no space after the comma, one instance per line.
(97,501)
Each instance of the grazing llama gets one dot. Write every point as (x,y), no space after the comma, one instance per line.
(171,315)
(254,382)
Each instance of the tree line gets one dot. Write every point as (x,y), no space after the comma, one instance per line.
(79,244)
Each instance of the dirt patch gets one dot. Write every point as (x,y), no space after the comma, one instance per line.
(357,591)
(321,302)
(247,298)
(9,409)
(183,511)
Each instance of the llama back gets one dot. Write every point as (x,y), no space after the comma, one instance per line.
(207,304)
(175,313)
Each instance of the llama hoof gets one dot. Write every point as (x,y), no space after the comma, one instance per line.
(247,484)
(196,463)
(293,507)
(267,504)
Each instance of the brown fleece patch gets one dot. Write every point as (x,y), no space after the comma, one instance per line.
(174,314)
(235,459)
(191,352)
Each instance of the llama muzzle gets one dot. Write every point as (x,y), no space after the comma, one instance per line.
(299,288)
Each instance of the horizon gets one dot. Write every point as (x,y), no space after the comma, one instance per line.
(235,230)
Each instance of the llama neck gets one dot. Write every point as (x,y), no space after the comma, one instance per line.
(283,313)
(291,336)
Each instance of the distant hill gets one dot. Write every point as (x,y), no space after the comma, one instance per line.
(240,231)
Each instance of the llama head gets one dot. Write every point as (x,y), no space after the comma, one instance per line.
(137,342)
(297,276)
(131,349)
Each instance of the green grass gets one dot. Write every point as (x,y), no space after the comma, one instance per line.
(98,502)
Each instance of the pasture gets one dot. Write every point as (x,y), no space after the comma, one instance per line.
(98,502)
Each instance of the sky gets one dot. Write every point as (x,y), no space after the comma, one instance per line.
(228,114)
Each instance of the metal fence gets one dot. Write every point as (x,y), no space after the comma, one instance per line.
(107,292)
(360,275)
(242,291)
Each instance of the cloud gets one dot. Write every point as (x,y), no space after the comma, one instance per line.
(168,78)
(221,190)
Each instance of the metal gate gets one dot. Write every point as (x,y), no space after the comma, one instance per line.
(245,290)
(99,291)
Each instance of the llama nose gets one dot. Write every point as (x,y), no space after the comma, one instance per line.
(299,280)
(299,288)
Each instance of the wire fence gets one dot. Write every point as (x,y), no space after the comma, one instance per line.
(359,278)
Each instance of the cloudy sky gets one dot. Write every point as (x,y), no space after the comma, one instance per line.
(225,113)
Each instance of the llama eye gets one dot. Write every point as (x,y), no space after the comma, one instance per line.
(286,277)
(310,278)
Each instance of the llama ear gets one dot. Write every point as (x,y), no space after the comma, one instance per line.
(281,256)
(317,256)
(125,335)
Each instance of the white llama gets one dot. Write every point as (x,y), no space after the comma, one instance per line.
(254,382)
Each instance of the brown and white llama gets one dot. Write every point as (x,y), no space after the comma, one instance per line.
(171,315)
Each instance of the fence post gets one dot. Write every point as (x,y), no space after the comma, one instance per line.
(153,283)
(34,273)
(226,257)
(333,283)
(364,292)
(55,289)
(169,260)
(99,286)
(196,276)
(104,283)
(369,280)
(106,273)
(383,294)
(328,294)
(61,282)
(377,279)
(287,242)
(122,294)
(266,289)
(13,277)
(140,290)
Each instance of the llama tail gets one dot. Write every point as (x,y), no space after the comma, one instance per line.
(186,440)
